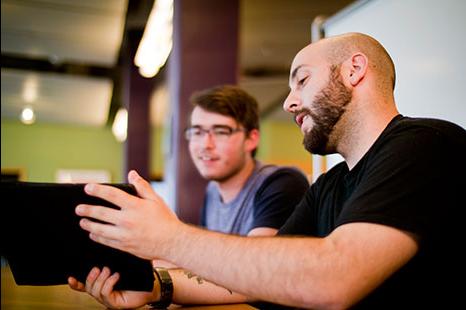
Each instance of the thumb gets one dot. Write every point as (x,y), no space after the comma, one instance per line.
(143,188)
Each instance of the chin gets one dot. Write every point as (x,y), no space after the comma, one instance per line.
(208,176)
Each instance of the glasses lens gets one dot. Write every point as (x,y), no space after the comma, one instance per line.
(219,132)
(222,132)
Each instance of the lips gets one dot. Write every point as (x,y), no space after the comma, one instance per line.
(300,117)
(207,157)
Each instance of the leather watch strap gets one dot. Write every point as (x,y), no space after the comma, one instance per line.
(166,289)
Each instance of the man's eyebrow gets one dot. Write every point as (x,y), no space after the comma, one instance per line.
(220,126)
(295,71)
(213,126)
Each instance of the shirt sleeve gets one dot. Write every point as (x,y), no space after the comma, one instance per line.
(277,197)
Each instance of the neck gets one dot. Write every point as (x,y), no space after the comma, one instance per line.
(231,187)
(362,126)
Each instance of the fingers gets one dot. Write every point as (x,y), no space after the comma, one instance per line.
(102,233)
(96,280)
(112,194)
(100,213)
(90,279)
(143,188)
(99,284)
(76,285)
(113,243)
(107,288)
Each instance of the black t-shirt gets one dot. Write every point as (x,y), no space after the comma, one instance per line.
(412,179)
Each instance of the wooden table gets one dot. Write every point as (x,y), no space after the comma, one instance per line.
(24,297)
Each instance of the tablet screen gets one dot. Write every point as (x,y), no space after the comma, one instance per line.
(44,244)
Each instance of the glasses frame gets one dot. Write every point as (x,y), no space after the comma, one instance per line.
(188,133)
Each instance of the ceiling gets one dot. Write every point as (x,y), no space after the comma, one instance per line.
(73,48)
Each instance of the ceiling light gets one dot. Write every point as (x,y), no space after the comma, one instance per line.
(28,116)
(156,42)
(30,88)
(120,125)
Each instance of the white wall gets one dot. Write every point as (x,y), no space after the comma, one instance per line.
(427,41)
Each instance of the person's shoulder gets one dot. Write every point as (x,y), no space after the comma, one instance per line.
(283,176)
(429,125)
(416,141)
(288,172)
(409,133)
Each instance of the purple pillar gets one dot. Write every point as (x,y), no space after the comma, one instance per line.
(204,54)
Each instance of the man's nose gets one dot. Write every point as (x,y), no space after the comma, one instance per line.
(208,139)
(291,103)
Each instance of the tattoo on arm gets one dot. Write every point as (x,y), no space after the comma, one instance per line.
(200,280)
(190,275)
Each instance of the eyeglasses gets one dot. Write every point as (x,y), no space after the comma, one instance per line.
(221,133)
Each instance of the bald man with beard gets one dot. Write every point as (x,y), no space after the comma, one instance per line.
(377,231)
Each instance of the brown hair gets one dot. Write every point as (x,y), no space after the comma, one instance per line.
(230,101)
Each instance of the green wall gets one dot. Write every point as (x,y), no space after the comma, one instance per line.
(40,149)
(281,143)
(157,144)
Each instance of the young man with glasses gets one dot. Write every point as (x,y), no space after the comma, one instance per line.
(243,196)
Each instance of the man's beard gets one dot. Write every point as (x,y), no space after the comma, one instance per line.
(329,105)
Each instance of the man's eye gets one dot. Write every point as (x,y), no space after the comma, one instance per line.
(196,132)
(301,81)
(221,132)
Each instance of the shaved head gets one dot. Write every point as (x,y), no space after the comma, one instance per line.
(335,81)
(337,49)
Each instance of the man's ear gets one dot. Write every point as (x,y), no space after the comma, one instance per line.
(252,140)
(358,68)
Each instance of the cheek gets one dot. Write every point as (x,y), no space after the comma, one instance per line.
(225,149)
(229,150)
(238,150)
(307,95)
(192,149)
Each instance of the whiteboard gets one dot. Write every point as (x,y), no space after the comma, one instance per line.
(427,41)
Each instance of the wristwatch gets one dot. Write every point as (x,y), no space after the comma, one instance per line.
(166,289)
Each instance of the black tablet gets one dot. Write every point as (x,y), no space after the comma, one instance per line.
(44,244)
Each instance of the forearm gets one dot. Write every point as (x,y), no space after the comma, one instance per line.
(245,265)
(193,289)
(323,273)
